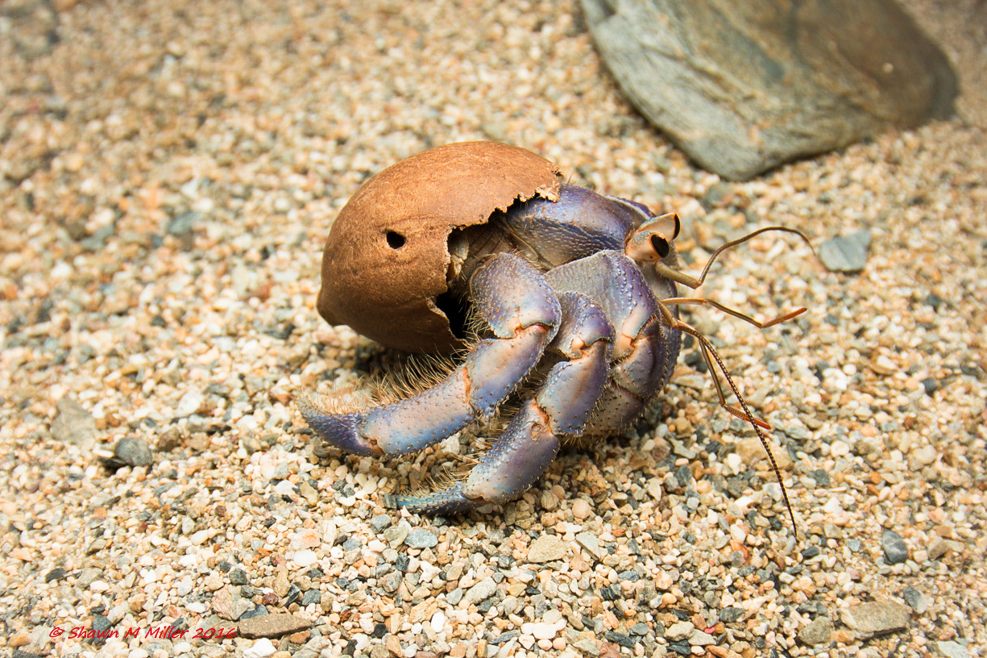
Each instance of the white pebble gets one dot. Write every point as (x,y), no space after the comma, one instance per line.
(260,649)
(438,621)
(305,558)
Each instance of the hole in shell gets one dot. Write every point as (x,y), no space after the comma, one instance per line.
(394,239)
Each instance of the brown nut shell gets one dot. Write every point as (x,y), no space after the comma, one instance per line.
(387,254)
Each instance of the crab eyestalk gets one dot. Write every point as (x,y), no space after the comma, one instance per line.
(652,241)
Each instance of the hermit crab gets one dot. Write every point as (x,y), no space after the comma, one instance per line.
(558,298)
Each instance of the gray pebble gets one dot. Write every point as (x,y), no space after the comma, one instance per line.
(184,223)
(455,596)
(679,630)
(312,596)
(87,576)
(504,637)
(730,615)
(481,591)
(395,535)
(591,543)
(950,649)
(55,574)
(894,547)
(916,600)
(421,538)
(239,577)
(846,253)
(132,452)
(391,581)
(380,522)
(819,631)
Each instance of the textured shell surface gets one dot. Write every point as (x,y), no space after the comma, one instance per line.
(387,258)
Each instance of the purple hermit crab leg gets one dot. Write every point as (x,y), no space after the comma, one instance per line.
(531,440)
(523,314)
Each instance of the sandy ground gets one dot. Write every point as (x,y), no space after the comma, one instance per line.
(168,174)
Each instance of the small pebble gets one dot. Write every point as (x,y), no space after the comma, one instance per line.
(132,452)
(895,551)
(591,543)
(260,649)
(546,548)
(679,630)
(950,649)
(847,253)
(818,631)
(421,538)
(480,591)
(916,600)
(876,617)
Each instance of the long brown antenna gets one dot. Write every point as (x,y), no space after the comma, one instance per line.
(694,282)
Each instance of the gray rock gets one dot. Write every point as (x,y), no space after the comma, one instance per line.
(132,452)
(730,615)
(380,522)
(421,538)
(55,574)
(87,576)
(184,223)
(73,424)
(950,649)
(916,600)
(312,596)
(818,631)
(679,630)
(591,543)
(274,625)
(876,617)
(395,535)
(846,253)
(744,86)
(894,547)
(239,577)
(390,582)
(481,591)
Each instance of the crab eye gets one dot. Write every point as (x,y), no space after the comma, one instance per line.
(394,239)
(660,245)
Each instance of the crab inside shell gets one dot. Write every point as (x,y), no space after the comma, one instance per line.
(387,261)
